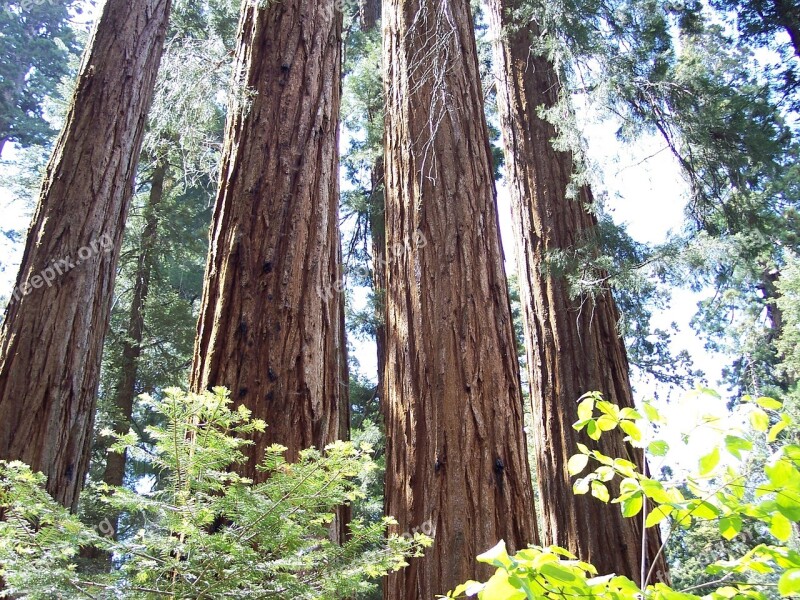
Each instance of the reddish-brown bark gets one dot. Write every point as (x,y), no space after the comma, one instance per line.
(271,323)
(573,345)
(456,452)
(52,337)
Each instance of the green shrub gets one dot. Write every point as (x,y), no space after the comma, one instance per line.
(727,490)
(207,532)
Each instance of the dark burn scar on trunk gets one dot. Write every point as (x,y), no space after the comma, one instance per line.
(499,471)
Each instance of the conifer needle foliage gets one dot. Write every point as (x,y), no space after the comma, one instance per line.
(207,532)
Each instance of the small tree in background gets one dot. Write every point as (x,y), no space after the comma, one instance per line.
(209,533)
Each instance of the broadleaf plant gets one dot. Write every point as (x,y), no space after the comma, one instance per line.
(729,488)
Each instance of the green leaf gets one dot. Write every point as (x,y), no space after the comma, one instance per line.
(625,467)
(655,491)
(606,423)
(658,514)
(632,506)
(586,409)
(652,413)
(792,452)
(608,408)
(581,486)
(555,571)
(789,583)
(593,431)
(705,391)
(628,485)
(630,413)
(499,588)
(736,445)
(709,462)
(577,463)
(465,588)
(780,527)
(600,491)
(496,556)
(658,448)
(782,474)
(602,458)
(631,429)
(769,403)
(759,420)
(775,430)
(683,517)
(705,510)
(730,526)
(605,473)
(788,502)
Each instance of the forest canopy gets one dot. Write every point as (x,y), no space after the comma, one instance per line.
(400,299)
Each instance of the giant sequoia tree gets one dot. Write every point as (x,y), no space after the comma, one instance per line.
(52,336)
(271,323)
(573,346)
(455,443)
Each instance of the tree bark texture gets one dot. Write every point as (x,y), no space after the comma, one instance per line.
(271,327)
(573,346)
(456,452)
(369,11)
(52,337)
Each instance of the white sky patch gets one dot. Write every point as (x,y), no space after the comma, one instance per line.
(15,214)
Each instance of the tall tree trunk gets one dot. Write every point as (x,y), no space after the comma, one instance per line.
(573,347)
(377,231)
(456,452)
(369,14)
(339,530)
(369,11)
(114,474)
(270,325)
(52,337)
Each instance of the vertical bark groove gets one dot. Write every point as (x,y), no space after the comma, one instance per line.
(455,443)
(52,337)
(271,326)
(573,346)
